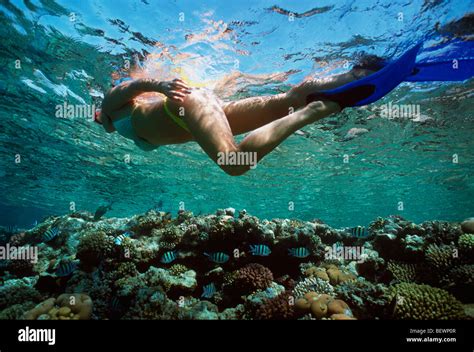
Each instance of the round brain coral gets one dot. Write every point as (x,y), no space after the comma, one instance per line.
(74,306)
(252,277)
(423,302)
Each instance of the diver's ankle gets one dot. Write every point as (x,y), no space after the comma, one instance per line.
(295,100)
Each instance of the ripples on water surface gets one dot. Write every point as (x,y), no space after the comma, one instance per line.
(70,50)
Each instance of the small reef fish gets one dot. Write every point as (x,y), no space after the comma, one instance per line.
(115,305)
(119,239)
(65,269)
(169,257)
(100,212)
(50,234)
(159,206)
(209,290)
(217,257)
(261,250)
(359,231)
(300,252)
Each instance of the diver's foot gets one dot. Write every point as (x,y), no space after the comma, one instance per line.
(350,97)
(298,94)
(317,110)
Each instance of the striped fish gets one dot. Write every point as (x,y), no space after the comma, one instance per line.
(300,252)
(66,268)
(217,257)
(208,290)
(115,304)
(50,234)
(169,257)
(260,250)
(359,231)
(119,239)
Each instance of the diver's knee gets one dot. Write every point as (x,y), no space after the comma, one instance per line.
(234,170)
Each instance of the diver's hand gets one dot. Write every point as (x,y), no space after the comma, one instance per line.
(175,89)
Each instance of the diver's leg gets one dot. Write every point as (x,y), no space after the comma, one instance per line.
(209,126)
(251,113)
(266,138)
(248,114)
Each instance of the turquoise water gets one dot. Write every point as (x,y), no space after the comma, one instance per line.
(54,52)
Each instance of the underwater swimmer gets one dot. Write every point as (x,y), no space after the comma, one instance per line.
(190,114)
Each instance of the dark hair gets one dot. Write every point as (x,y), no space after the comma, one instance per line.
(369,62)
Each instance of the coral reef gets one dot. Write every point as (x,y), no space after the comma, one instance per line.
(403,272)
(250,278)
(153,266)
(338,276)
(65,307)
(323,306)
(313,284)
(467,226)
(278,308)
(423,302)
(93,247)
(466,243)
(440,258)
(367,300)
(460,282)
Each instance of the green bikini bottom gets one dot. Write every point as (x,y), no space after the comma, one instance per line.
(177,119)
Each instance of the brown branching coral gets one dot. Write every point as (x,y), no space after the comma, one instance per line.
(20,267)
(278,308)
(252,277)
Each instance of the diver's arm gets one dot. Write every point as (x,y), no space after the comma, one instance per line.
(124,93)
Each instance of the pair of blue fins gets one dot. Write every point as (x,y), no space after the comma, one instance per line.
(367,90)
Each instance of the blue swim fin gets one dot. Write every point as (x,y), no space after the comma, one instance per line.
(447,61)
(450,70)
(371,88)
